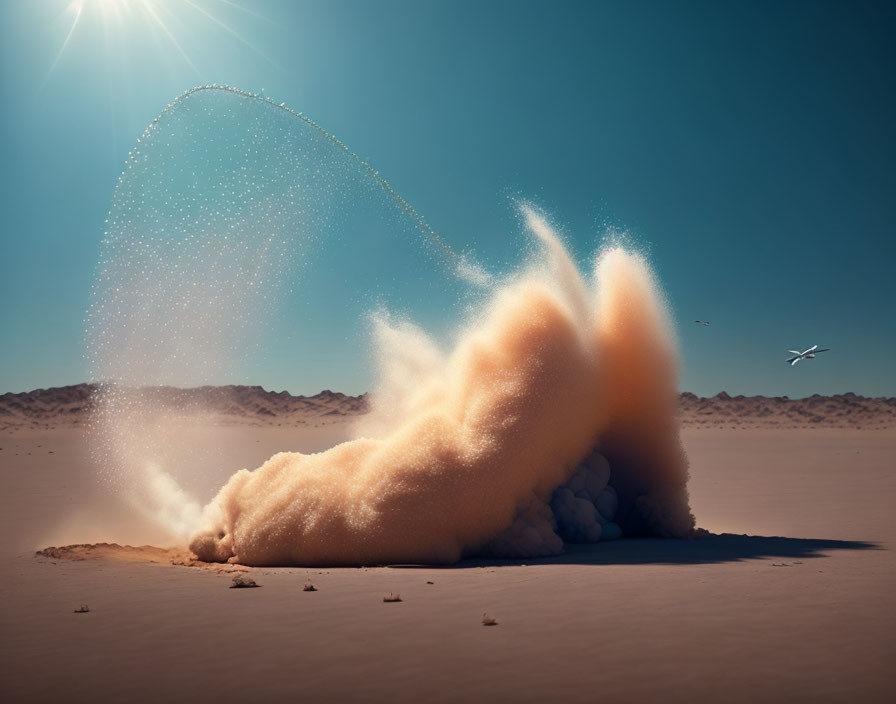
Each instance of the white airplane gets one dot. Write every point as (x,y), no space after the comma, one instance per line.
(808,354)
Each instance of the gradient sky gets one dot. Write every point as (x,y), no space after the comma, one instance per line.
(748,147)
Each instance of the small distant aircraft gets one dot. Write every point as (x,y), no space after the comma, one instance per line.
(702,322)
(808,354)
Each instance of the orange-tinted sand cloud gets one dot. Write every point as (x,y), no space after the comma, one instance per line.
(463,451)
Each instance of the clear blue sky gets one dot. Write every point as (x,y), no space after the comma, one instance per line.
(748,146)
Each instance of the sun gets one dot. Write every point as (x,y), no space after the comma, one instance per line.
(152,16)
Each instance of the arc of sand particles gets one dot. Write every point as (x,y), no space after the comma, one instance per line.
(467,268)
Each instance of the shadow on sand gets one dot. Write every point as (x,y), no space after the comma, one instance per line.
(708,549)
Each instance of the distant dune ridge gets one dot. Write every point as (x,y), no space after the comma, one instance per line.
(69,406)
(838,411)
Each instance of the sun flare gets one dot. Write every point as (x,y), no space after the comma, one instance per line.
(166,21)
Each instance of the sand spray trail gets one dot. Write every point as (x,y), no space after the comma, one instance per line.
(463,450)
(226,245)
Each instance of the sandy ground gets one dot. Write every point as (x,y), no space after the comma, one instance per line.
(808,616)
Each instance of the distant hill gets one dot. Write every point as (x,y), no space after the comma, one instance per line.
(838,411)
(69,406)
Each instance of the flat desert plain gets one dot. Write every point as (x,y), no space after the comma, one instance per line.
(791,598)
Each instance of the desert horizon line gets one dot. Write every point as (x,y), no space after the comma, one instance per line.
(721,395)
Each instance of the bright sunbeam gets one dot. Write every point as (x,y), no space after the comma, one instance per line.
(150,16)
(76,7)
(224,26)
(151,11)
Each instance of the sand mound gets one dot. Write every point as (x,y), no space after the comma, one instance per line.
(145,554)
(119,553)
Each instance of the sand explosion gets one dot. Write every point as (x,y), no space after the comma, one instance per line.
(507,444)
(239,225)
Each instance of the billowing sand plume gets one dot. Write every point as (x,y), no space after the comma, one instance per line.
(558,381)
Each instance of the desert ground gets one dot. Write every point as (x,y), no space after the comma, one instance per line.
(789,599)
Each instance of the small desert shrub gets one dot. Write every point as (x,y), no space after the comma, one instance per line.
(392,597)
(309,588)
(83,609)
